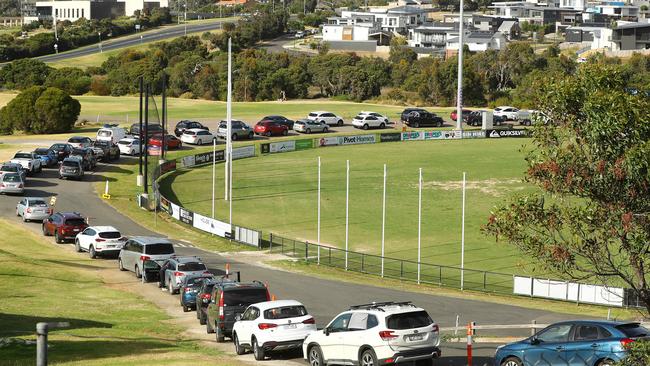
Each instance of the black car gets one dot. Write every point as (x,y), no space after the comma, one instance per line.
(420,118)
(186,125)
(153,129)
(229,299)
(62,150)
(203,299)
(281,120)
(408,111)
(87,155)
(110,150)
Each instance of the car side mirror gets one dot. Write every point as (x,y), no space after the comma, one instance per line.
(237,317)
(534,341)
(326,331)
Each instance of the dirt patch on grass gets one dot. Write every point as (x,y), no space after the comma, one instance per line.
(493,187)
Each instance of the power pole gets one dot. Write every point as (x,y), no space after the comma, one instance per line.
(459,96)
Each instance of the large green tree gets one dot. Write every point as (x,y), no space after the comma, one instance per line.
(22,74)
(591,220)
(40,110)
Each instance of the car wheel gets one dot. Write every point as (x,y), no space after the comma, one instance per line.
(315,356)
(325,129)
(439,124)
(382,125)
(220,337)
(258,351)
(512,361)
(238,348)
(368,358)
(200,142)
(208,327)
(201,318)
(24,219)
(45,233)
(365,127)
(340,122)
(416,124)
(91,252)
(527,122)
(137,272)
(250,135)
(234,137)
(606,362)
(170,287)
(285,132)
(77,246)
(119,264)
(57,238)
(308,131)
(186,309)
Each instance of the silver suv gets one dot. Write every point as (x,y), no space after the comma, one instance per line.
(141,249)
(177,268)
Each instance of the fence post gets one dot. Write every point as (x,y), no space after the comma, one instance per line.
(401,269)
(293,253)
(270,242)
(440,276)
(41,344)
(330,256)
(469,344)
(362,260)
(306,251)
(484,280)
(533,329)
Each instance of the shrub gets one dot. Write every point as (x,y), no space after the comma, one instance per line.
(40,110)
(99,85)
(69,79)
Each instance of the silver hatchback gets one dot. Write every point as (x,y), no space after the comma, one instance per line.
(12,183)
(33,208)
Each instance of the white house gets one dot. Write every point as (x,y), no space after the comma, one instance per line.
(73,10)
(479,41)
(432,35)
(394,20)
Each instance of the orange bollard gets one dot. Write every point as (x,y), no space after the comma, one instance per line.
(227,269)
(273,297)
(469,344)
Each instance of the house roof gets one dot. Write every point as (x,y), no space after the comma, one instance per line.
(633,25)
(406,9)
(475,37)
(507,25)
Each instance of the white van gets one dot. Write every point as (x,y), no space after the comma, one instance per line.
(112,134)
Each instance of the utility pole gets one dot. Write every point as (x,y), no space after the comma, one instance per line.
(459,96)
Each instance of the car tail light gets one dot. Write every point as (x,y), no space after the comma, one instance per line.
(50,211)
(99,240)
(268,295)
(387,335)
(2,185)
(221,314)
(309,321)
(264,326)
(389,360)
(205,296)
(144,258)
(177,274)
(207,273)
(626,342)
(20,186)
(435,328)
(187,289)
(28,210)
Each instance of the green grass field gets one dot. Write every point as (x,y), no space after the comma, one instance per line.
(277,193)
(109,326)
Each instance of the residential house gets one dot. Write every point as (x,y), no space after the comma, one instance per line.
(487,23)
(73,10)
(478,41)
(394,20)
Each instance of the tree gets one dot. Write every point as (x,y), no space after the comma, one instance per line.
(19,114)
(70,79)
(591,220)
(40,110)
(638,353)
(22,74)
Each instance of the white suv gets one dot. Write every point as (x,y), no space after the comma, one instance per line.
(328,118)
(272,326)
(366,121)
(375,334)
(100,240)
(506,113)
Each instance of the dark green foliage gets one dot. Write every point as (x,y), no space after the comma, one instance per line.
(40,110)
(69,79)
(638,354)
(23,74)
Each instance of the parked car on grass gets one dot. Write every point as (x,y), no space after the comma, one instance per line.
(138,250)
(187,125)
(111,134)
(48,157)
(281,120)
(268,128)
(379,116)
(8,168)
(328,118)
(62,150)
(272,326)
(171,142)
(152,129)
(12,183)
(375,334)
(100,241)
(33,208)
(310,126)
(189,289)
(453,115)
(574,343)
(64,225)
(506,113)
(106,150)
(229,299)
(71,167)
(87,157)
(367,121)
(130,146)
(28,160)
(421,118)
(80,142)
(179,267)
(197,137)
(239,130)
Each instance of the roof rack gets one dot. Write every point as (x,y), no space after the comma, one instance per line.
(379,305)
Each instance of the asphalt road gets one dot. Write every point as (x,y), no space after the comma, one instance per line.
(127,41)
(324,298)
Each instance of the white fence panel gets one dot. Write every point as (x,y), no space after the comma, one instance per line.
(522,286)
(247,236)
(568,291)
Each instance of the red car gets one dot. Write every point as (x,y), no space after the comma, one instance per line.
(268,128)
(466,113)
(171,141)
(64,225)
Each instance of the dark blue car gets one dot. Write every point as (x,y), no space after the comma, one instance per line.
(47,156)
(573,343)
(188,290)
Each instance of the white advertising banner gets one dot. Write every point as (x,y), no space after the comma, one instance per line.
(215,227)
(453,134)
(433,135)
(188,161)
(283,146)
(176,211)
(243,152)
(413,135)
(474,134)
(358,139)
(328,141)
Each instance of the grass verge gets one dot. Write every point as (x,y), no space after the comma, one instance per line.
(41,282)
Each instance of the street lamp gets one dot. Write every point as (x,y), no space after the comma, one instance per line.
(99,34)
(56,48)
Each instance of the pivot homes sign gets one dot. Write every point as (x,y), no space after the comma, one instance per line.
(358,139)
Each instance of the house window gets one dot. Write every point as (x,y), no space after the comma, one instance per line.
(82,13)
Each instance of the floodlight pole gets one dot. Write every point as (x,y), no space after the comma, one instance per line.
(383,223)
(347,209)
(164,115)
(141,82)
(459,96)
(214,164)
(144,136)
(419,222)
(229,123)
(462,239)
(318,221)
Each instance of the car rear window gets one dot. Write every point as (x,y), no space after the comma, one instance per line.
(414,319)
(193,281)
(105,133)
(189,133)
(75,221)
(244,296)
(11,178)
(192,266)
(58,146)
(37,203)
(71,163)
(9,168)
(159,248)
(313,114)
(124,142)
(42,151)
(285,312)
(76,139)
(633,330)
(110,235)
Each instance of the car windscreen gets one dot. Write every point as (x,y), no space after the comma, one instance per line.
(313,115)
(23,156)
(414,319)
(37,203)
(11,178)
(75,221)
(159,248)
(110,235)
(633,330)
(244,296)
(192,133)
(42,151)
(191,266)
(285,312)
(70,163)
(105,133)
(9,168)
(58,147)
(124,142)
(76,139)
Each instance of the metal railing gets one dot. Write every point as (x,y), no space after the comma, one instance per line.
(394,268)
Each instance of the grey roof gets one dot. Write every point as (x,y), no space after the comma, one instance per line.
(150,239)
(633,25)
(507,25)
(406,9)
(475,37)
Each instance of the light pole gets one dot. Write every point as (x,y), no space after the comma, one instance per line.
(459,96)
(56,48)
(100,41)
